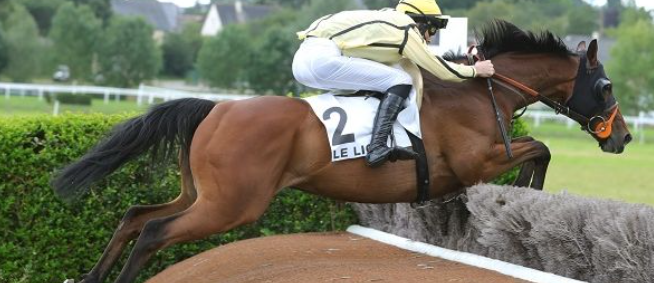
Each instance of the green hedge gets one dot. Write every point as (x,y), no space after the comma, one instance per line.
(519,128)
(43,239)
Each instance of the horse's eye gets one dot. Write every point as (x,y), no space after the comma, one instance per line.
(602,86)
(608,87)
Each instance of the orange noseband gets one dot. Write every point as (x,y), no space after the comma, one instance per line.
(603,129)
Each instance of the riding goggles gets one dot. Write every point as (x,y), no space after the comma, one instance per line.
(435,24)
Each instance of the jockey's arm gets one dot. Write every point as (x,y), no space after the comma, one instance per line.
(417,51)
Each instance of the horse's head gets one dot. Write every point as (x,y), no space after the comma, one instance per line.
(593,98)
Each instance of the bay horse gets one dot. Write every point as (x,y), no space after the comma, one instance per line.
(235,156)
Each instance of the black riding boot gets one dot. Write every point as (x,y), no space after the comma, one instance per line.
(389,108)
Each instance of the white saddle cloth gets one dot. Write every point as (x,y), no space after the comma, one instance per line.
(348,123)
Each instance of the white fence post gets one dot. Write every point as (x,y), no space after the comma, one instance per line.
(139,96)
(40,94)
(55,111)
(106,97)
(537,120)
(640,129)
(151,97)
(7,92)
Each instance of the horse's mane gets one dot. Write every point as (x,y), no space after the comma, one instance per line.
(501,36)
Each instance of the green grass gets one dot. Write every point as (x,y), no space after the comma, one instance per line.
(580,167)
(30,105)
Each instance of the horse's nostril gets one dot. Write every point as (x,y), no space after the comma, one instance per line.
(627,139)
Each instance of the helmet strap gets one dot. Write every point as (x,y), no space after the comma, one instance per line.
(416,8)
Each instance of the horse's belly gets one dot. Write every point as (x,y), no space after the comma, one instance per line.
(355,182)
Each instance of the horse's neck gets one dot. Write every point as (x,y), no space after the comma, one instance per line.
(546,75)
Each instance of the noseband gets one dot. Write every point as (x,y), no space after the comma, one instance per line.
(603,124)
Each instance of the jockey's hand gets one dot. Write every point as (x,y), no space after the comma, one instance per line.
(484,69)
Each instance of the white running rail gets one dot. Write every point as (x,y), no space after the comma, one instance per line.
(142,94)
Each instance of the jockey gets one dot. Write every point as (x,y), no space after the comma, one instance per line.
(353,50)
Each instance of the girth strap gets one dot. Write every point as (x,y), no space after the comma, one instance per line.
(422,168)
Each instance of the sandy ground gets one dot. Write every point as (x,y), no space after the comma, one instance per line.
(319,257)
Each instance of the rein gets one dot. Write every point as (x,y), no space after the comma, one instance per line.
(602,129)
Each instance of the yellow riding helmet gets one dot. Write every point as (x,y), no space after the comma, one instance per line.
(426,7)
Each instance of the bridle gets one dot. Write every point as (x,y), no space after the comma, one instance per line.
(603,125)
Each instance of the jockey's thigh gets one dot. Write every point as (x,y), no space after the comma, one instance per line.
(318,63)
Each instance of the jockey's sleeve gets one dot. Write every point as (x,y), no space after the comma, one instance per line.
(417,51)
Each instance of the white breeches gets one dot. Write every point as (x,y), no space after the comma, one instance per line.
(318,63)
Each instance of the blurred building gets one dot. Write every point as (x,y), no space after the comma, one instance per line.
(220,15)
(604,44)
(454,38)
(164,17)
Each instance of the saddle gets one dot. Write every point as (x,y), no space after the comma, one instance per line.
(412,137)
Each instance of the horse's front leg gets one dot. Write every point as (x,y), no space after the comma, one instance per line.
(532,154)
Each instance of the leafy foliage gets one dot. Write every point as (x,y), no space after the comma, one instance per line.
(44,240)
(519,129)
(128,55)
(75,34)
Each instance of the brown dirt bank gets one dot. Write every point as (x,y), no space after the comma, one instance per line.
(319,257)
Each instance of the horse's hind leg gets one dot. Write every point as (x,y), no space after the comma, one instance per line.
(527,169)
(524,177)
(132,224)
(540,170)
(227,209)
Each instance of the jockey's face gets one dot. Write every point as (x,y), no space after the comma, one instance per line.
(427,36)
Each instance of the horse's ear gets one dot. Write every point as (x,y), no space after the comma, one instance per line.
(592,54)
(581,46)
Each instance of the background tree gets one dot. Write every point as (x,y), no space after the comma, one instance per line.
(128,55)
(379,4)
(177,55)
(485,12)
(23,47)
(631,63)
(283,3)
(75,33)
(583,19)
(446,5)
(180,50)
(101,8)
(272,60)
(42,12)
(224,58)
(558,16)
(271,66)
(191,35)
(4,59)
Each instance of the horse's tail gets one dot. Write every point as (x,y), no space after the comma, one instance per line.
(159,132)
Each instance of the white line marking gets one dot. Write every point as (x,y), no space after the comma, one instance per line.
(502,267)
